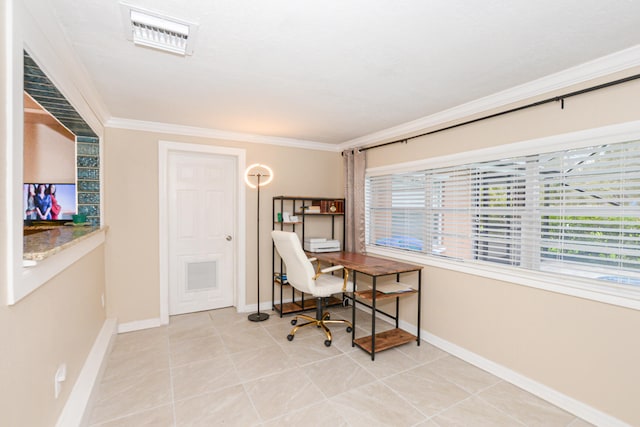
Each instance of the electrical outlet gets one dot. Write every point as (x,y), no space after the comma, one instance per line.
(102,300)
(61,376)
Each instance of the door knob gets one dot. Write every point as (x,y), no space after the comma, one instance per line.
(229,238)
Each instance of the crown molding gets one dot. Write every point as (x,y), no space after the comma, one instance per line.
(609,64)
(146,126)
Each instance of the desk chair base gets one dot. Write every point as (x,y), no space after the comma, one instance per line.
(321,320)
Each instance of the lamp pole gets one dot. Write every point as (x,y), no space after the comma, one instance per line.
(258,316)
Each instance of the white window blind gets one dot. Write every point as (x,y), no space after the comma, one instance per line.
(590,207)
(574,212)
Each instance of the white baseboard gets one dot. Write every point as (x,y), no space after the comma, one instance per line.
(561,400)
(139,325)
(264,306)
(77,409)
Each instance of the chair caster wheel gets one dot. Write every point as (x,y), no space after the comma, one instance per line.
(290,337)
(294,321)
(349,329)
(327,343)
(345,303)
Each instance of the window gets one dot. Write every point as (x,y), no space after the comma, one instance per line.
(400,217)
(573,212)
(589,209)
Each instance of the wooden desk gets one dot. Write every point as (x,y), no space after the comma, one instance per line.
(376,267)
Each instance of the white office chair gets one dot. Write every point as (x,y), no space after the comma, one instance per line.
(302,276)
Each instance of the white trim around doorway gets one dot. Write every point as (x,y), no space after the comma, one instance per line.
(164,148)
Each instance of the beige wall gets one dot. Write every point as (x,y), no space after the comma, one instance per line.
(57,323)
(584,349)
(49,154)
(131,204)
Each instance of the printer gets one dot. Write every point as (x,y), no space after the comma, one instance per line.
(320,244)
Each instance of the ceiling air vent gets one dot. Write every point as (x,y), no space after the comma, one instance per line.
(157,31)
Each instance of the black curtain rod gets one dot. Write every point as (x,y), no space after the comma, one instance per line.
(559,98)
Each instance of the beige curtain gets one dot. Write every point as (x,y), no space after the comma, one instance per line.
(354,168)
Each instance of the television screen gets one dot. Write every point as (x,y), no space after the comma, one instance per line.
(49,201)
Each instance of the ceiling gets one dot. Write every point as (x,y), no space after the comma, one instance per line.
(334,70)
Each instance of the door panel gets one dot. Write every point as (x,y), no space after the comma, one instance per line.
(201,218)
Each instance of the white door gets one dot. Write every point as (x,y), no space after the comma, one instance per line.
(201,217)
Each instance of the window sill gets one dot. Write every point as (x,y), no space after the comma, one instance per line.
(48,253)
(619,295)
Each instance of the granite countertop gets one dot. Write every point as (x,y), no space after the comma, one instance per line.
(42,244)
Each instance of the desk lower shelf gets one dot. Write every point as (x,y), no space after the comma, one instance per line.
(368,295)
(385,340)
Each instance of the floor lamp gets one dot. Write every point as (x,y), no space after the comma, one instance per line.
(263,175)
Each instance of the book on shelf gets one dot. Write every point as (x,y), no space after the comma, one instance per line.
(331,206)
(280,277)
(312,209)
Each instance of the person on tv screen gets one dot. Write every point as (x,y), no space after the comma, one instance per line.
(43,203)
(31,203)
(55,207)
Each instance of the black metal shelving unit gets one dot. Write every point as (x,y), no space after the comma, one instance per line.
(297,207)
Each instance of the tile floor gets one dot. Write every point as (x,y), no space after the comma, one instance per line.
(217,368)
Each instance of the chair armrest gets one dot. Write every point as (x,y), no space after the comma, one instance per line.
(332,268)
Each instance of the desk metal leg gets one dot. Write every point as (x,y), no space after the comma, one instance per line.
(373,321)
(353,312)
(397,312)
(419,302)
(397,305)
